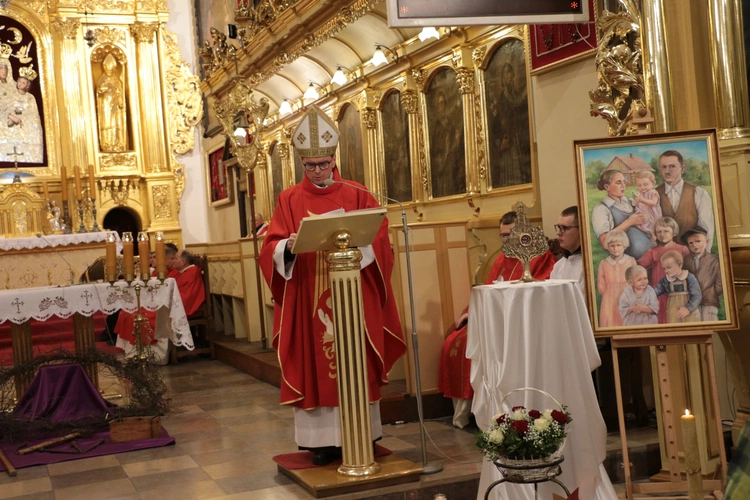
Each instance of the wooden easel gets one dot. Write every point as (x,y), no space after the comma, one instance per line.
(676,484)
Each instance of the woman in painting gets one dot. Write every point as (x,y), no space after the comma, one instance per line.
(616,212)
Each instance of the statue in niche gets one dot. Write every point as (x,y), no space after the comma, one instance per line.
(23,120)
(54,217)
(111,110)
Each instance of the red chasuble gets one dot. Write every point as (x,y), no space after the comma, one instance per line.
(303,328)
(192,292)
(126,321)
(455,368)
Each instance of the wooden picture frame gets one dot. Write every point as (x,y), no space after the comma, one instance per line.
(219,181)
(615,238)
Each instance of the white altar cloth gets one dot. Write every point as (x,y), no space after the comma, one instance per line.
(55,240)
(18,306)
(538,335)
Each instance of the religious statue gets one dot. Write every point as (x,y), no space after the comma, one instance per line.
(111,110)
(54,217)
(24,125)
(7,83)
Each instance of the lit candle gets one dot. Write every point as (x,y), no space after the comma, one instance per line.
(161,256)
(111,262)
(143,251)
(64,180)
(92,183)
(45,190)
(128,261)
(692,459)
(77,178)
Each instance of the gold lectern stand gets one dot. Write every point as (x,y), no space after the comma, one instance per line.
(358,469)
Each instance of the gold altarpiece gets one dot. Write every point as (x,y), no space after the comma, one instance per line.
(116,94)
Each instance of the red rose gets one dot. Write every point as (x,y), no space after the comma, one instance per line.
(516,408)
(499,420)
(559,417)
(535,414)
(520,426)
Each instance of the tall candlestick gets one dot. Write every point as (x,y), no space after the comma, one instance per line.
(64,180)
(111,262)
(692,458)
(128,260)
(161,256)
(92,183)
(77,178)
(143,255)
(45,190)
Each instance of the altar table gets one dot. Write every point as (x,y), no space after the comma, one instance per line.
(81,302)
(538,335)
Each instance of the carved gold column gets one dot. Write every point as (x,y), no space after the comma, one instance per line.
(656,65)
(375,172)
(468,94)
(149,88)
(75,151)
(351,359)
(262,179)
(287,164)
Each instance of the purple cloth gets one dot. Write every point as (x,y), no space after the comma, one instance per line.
(107,448)
(62,393)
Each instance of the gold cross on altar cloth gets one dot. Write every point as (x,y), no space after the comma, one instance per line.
(15,154)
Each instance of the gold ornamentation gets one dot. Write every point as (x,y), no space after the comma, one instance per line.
(184,97)
(240,103)
(215,55)
(465,80)
(120,160)
(260,16)
(477,55)
(143,32)
(481,159)
(371,118)
(525,242)
(619,69)
(68,28)
(178,170)
(5,51)
(111,107)
(456,58)
(422,157)
(420,77)
(162,207)
(119,189)
(283,151)
(409,101)
(113,6)
(109,35)
(376,97)
(28,72)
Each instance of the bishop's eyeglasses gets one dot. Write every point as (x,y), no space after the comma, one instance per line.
(310,167)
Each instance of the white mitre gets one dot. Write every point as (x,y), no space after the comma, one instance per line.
(316,135)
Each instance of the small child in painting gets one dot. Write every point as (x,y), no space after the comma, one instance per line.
(610,278)
(682,289)
(638,302)
(646,201)
(707,270)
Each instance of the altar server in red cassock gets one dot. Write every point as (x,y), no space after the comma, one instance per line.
(455,369)
(190,284)
(303,328)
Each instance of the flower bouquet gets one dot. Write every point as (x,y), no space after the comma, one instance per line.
(526,443)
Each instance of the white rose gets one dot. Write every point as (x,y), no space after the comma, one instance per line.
(547,415)
(496,436)
(541,424)
(519,415)
(494,419)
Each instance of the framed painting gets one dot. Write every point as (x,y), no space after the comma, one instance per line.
(218,179)
(445,124)
(653,234)
(554,45)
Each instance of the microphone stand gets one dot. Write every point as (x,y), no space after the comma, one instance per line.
(427,467)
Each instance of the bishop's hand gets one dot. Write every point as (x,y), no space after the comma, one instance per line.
(291,240)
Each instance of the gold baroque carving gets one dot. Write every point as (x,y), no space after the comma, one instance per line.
(184,97)
(371,118)
(261,16)
(119,160)
(409,101)
(420,77)
(477,55)
(241,102)
(465,80)
(108,6)
(68,28)
(619,69)
(119,189)
(422,157)
(376,97)
(109,35)
(178,170)
(481,159)
(162,207)
(283,151)
(215,55)
(143,32)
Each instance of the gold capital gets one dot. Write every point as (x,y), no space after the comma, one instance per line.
(409,101)
(371,118)
(143,32)
(465,80)
(67,27)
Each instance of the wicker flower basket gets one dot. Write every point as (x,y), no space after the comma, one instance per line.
(532,469)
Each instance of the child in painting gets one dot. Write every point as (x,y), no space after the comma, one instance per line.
(646,201)
(682,290)
(610,279)
(665,229)
(705,266)
(638,302)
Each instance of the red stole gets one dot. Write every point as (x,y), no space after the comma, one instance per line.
(302,332)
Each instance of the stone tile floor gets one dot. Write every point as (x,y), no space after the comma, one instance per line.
(230,426)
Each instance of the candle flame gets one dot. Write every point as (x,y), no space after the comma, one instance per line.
(687,412)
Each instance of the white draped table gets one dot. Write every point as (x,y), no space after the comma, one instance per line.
(538,335)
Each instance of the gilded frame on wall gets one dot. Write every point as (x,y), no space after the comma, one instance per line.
(219,179)
(651,268)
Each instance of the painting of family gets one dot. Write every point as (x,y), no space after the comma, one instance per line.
(655,247)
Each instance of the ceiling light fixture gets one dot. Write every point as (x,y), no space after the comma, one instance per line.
(285,108)
(311,93)
(379,57)
(339,77)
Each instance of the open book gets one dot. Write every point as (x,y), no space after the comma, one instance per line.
(317,231)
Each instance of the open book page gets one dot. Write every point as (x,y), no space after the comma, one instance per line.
(316,232)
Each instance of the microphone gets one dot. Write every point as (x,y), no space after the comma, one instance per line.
(429,468)
(70,268)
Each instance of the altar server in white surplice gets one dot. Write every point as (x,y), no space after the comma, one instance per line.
(570,267)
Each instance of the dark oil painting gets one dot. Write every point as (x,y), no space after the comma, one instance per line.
(351,162)
(446,133)
(277,175)
(396,146)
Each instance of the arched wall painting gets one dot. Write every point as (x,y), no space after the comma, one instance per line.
(277,176)
(396,142)
(446,131)
(506,94)
(351,163)
(21,105)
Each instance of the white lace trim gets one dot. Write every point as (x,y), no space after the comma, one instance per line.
(55,240)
